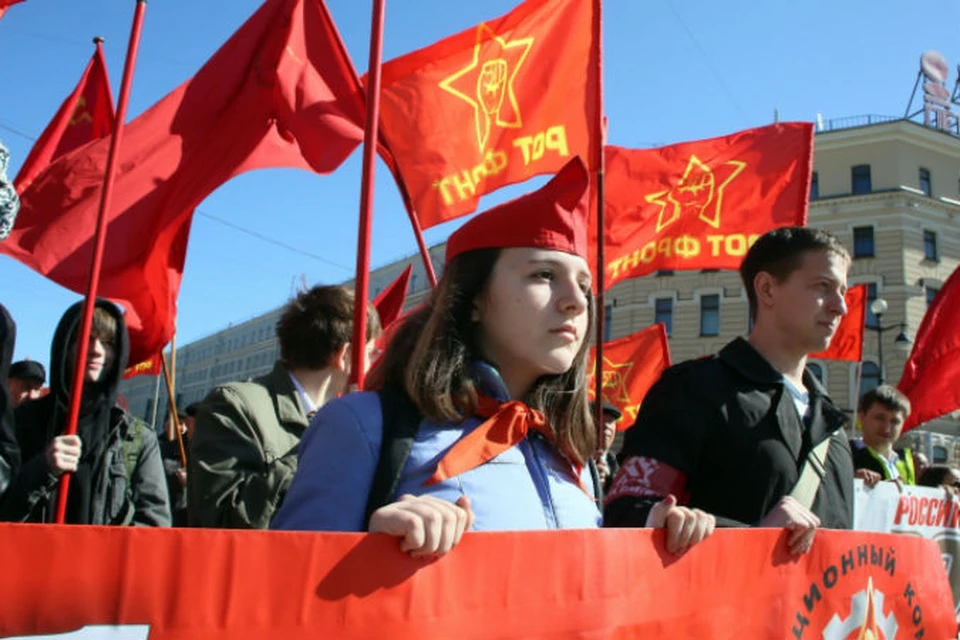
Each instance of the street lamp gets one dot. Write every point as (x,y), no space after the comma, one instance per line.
(902,341)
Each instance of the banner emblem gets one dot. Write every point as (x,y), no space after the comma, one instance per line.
(486,83)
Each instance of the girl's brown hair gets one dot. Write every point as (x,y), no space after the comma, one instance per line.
(429,355)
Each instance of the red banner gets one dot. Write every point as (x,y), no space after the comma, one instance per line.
(631,365)
(700,205)
(496,104)
(847,343)
(931,375)
(615,583)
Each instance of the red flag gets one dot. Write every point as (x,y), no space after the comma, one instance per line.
(280,93)
(931,375)
(700,205)
(847,342)
(630,367)
(149,367)
(493,105)
(87,114)
(6,4)
(389,302)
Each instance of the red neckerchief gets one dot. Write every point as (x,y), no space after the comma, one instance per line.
(506,425)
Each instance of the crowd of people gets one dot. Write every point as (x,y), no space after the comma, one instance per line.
(477,415)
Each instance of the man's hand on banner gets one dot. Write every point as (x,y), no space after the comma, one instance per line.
(685,527)
(800,521)
(870,478)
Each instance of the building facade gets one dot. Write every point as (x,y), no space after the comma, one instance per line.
(888,188)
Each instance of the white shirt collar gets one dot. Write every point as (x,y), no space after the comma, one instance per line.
(309,406)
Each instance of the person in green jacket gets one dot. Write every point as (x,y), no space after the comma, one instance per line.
(243,453)
(882,413)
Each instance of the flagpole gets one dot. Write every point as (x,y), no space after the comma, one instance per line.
(370,138)
(93,282)
(411,213)
(600,137)
(156,400)
(172,405)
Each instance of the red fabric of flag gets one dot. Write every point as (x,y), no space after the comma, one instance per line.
(281,92)
(87,114)
(631,365)
(6,4)
(931,375)
(389,303)
(496,104)
(151,367)
(847,342)
(700,205)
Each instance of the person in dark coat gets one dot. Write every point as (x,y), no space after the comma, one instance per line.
(25,381)
(114,459)
(9,451)
(729,435)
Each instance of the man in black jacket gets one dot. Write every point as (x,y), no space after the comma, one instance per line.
(728,435)
(114,459)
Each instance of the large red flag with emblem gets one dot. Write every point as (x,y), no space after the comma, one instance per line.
(493,105)
(700,205)
(86,114)
(630,367)
(280,93)
(847,342)
(931,375)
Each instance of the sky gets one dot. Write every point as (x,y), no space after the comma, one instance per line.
(673,71)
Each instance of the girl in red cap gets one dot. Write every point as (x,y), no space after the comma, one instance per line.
(482,420)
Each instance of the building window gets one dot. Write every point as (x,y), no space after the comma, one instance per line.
(860,179)
(869,377)
(871,320)
(863,245)
(816,371)
(710,315)
(939,454)
(931,293)
(664,272)
(930,250)
(925,185)
(607,321)
(663,312)
(815,186)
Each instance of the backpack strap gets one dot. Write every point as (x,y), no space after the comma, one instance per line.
(131,442)
(401,420)
(811,474)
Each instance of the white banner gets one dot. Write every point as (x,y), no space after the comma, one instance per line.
(928,512)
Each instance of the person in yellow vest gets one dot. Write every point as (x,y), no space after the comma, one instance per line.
(882,413)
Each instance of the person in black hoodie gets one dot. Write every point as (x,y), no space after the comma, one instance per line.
(117,474)
(9,452)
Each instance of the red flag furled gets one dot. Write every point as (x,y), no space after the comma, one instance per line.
(630,367)
(493,105)
(281,92)
(389,302)
(86,115)
(847,343)
(700,205)
(931,375)
(149,367)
